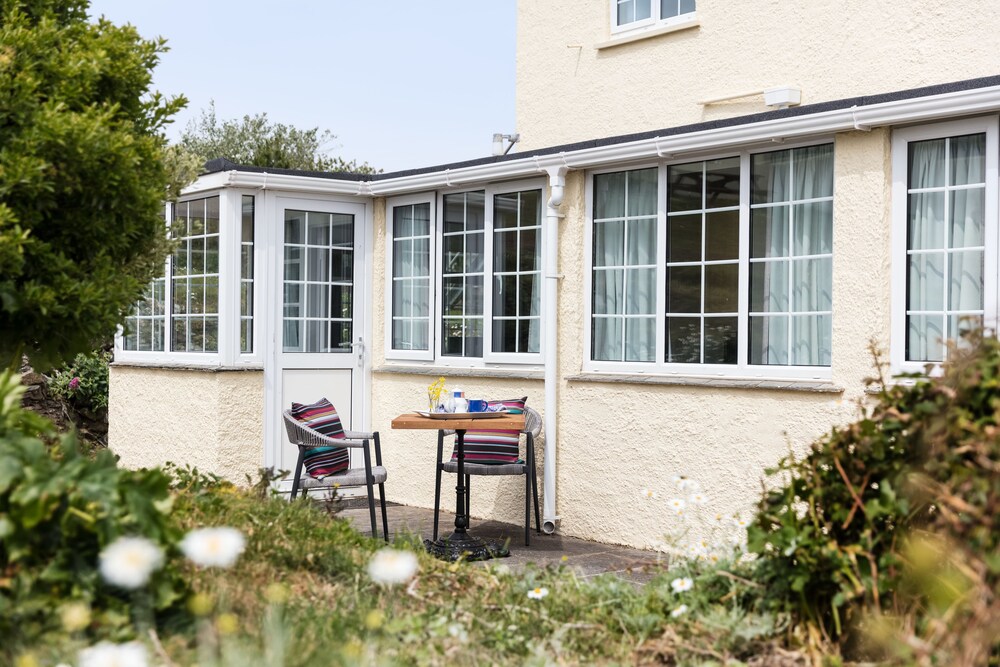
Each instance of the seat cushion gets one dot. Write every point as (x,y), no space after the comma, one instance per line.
(494,446)
(322,417)
(352,477)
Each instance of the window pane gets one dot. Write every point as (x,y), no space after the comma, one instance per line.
(769,232)
(720,340)
(965,291)
(609,291)
(607,339)
(684,238)
(609,195)
(925,290)
(967,210)
(813,172)
(505,251)
(668,8)
(318,229)
(769,340)
(926,228)
(926,160)
(769,177)
(528,294)
(813,228)
(318,264)
(505,335)
(722,235)
(642,241)
(686,6)
(530,250)
(684,289)
(293,226)
(609,243)
(811,336)
(640,339)
(721,288)
(811,283)
(924,337)
(640,291)
(642,192)
(722,183)
(684,186)
(968,159)
(768,287)
(683,338)
(505,211)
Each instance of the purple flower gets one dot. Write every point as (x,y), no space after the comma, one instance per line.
(74,384)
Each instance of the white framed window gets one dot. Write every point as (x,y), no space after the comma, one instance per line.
(944,262)
(720,266)
(200,310)
(635,14)
(410,247)
(465,283)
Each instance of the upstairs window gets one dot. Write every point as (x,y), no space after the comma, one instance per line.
(195,277)
(631,14)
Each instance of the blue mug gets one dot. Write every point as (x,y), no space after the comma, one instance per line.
(476,405)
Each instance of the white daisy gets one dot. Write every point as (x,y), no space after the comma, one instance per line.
(392,566)
(677,505)
(213,547)
(650,494)
(697,498)
(679,611)
(682,584)
(538,593)
(740,522)
(106,654)
(128,562)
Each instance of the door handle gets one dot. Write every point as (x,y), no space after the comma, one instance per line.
(359,347)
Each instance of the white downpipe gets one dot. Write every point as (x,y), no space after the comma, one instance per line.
(557,185)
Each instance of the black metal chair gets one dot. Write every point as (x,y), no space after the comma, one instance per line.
(532,429)
(306,438)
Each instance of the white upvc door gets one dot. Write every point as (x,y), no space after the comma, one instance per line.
(320,293)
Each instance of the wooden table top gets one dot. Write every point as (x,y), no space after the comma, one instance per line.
(413,420)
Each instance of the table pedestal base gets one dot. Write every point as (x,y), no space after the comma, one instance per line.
(469,548)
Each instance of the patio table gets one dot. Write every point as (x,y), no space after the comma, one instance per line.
(460,542)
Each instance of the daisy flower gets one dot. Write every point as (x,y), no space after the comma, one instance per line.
(213,547)
(682,584)
(679,611)
(392,566)
(106,654)
(128,562)
(650,494)
(538,593)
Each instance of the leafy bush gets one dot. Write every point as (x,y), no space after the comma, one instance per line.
(58,510)
(841,538)
(84,383)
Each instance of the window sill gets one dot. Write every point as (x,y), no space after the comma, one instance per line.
(503,373)
(170,366)
(646,33)
(810,386)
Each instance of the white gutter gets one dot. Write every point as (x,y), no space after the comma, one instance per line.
(919,109)
(550,297)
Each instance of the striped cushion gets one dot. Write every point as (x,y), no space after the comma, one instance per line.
(322,417)
(494,446)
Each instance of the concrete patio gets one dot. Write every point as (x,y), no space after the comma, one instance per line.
(587,559)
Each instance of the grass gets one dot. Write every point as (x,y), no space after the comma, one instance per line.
(301,596)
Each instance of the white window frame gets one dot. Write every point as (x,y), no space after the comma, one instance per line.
(653,22)
(228,354)
(901,138)
(433,357)
(390,205)
(741,369)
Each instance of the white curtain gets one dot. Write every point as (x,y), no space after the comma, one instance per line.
(944,281)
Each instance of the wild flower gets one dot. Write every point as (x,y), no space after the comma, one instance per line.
(677,505)
(679,611)
(650,494)
(213,547)
(128,562)
(682,584)
(106,654)
(538,593)
(392,566)
(74,384)
(697,498)
(75,616)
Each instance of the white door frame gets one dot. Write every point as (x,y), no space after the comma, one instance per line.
(274,206)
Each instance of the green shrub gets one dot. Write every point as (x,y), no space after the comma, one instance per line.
(84,383)
(58,510)
(836,539)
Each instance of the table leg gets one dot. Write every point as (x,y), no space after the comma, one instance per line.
(460,544)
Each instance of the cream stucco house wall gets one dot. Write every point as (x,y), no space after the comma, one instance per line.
(699,265)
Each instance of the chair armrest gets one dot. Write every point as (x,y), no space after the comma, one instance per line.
(302,436)
(359,435)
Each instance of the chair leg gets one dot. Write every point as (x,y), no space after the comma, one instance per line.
(468,497)
(534,483)
(527,507)
(369,482)
(437,485)
(385,518)
(298,473)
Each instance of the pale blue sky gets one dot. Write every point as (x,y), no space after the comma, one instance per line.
(402,84)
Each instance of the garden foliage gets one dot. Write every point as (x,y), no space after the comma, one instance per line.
(82,177)
(842,538)
(84,383)
(58,510)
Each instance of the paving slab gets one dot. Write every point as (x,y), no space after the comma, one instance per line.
(586,558)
